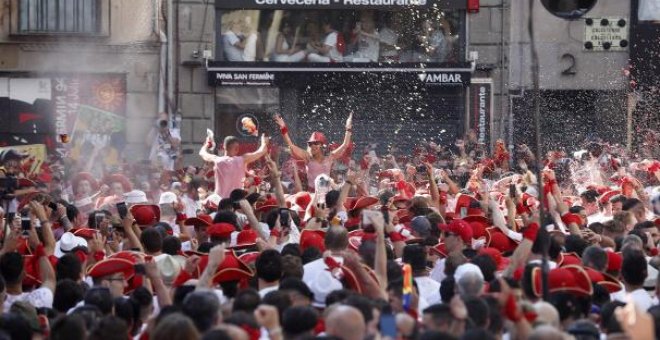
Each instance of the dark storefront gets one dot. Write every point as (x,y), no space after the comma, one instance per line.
(397,80)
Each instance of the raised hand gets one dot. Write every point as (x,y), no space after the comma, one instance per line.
(38,211)
(279,121)
(264,139)
(349,121)
(216,255)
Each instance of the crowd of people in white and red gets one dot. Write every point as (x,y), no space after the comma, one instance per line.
(439,242)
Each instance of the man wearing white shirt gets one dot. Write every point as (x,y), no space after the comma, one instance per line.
(13,271)
(232,44)
(429,289)
(269,271)
(633,273)
(316,274)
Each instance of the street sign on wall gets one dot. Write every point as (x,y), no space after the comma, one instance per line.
(606,34)
(481,109)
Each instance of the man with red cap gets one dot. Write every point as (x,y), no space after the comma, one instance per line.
(314,156)
(457,236)
(229,169)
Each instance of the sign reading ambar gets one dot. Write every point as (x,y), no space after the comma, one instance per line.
(339,4)
(444,78)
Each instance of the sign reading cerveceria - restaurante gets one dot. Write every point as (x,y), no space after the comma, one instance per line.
(339,4)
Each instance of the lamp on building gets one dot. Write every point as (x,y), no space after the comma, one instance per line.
(473,6)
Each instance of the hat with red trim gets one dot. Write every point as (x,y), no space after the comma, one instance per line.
(146,214)
(569,279)
(567,259)
(500,261)
(201,220)
(312,238)
(360,202)
(439,249)
(249,258)
(460,228)
(605,280)
(220,230)
(110,266)
(134,281)
(86,233)
(246,238)
(605,198)
(495,238)
(270,202)
(232,269)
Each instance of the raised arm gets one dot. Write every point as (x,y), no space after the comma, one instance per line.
(276,182)
(39,212)
(347,138)
(205,154)
(295,150)
(433,186)
(263,149)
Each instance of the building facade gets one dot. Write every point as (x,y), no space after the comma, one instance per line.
(582,57)
(437,69)
(397,89)
(80,77)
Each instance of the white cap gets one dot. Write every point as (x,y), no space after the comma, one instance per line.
(135,197)
(467,268)
(167,198)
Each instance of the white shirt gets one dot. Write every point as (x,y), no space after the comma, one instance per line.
(331,40)
(438,271)
(429,289)
(641,298)
(40,297)
(320,281)
(233,53)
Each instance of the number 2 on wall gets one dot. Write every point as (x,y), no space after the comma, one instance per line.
(570,70)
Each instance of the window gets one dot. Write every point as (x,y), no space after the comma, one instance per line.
(342,36)
(60,16)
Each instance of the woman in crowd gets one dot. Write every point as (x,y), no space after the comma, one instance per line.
(315,158)
(287,45)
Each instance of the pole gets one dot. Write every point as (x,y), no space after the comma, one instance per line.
(539,151)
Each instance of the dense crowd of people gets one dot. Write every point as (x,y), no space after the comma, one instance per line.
(328,241)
